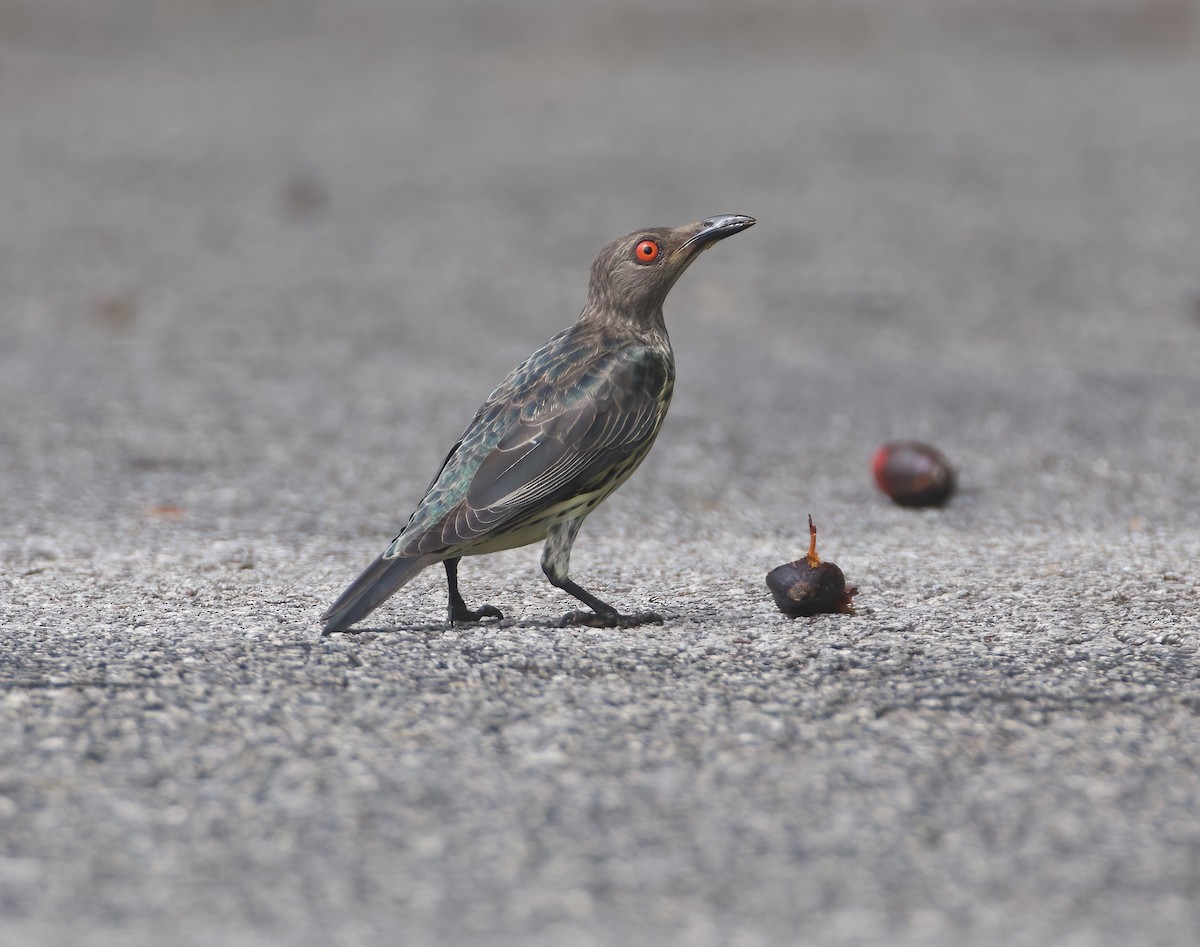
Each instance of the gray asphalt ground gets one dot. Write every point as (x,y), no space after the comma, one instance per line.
(260,261)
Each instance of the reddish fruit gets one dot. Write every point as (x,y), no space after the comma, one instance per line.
(809,586)
(913,474)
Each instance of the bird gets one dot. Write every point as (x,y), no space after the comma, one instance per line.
(555,438)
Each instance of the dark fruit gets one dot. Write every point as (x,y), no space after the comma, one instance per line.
(809,586)
(913,474)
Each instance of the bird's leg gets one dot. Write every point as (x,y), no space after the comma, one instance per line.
(458,611)
(602,615)
(556,561)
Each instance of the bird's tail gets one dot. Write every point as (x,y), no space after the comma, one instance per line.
(379,581)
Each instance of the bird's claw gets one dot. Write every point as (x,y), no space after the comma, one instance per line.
(615,620)
(465,615)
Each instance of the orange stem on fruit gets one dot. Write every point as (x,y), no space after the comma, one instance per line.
(813,559)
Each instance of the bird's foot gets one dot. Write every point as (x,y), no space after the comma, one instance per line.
(607,620)
(460,614)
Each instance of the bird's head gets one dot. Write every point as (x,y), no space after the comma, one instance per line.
(632,275)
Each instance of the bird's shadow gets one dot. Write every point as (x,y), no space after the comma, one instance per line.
(430,629)
(442,628)
(438,628)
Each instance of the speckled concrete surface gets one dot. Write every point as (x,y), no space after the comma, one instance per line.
(258,264)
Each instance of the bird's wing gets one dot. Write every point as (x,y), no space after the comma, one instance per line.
(553,451)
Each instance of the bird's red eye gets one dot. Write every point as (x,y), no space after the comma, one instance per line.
(647,251)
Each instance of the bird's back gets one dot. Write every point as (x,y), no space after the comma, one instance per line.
(586,405)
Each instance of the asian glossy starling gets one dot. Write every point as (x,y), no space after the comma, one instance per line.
(561,432)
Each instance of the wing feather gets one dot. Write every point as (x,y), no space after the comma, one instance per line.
(558,455)
(552,449)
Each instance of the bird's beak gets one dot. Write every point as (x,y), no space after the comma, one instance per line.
(706,232)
